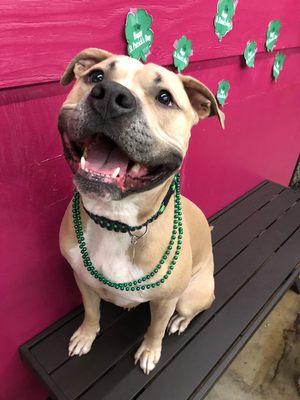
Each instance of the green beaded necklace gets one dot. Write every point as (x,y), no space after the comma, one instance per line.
(143,282)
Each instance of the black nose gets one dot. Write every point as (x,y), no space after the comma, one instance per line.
(111,100)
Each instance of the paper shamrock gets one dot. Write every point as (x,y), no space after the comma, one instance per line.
(138,34)
(278,65)
(249,53)
(272,34)
(183,50)
(222,93)
(223,18)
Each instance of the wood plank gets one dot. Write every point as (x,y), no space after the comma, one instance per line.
(237,201)
(55,31)
(235,216)
(125,380)
(239,238)
(52,351)
(226,360)
(78,372)
(203,352)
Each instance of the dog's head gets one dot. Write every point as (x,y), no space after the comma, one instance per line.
(125,126)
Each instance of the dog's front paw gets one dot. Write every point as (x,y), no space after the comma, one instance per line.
(82,340)
(147,356)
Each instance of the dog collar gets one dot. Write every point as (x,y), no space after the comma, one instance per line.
(146,281)
(118,226)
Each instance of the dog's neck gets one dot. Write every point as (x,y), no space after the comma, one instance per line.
(132,210)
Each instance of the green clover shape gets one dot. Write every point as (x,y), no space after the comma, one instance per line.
(278,65)
(138,34)
(272,34)
(222,93)
(223,18)
(249,53)
(182,52)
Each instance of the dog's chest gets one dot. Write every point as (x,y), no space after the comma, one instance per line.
(111,255)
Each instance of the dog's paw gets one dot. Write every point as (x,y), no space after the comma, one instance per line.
(82,340)
(147,357)
(178,324)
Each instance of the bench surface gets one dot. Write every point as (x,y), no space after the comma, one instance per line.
(257,254)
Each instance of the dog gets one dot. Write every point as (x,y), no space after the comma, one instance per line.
(125,128)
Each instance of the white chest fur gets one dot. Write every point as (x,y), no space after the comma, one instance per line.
(111,255)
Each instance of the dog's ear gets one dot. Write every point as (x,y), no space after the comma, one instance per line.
(202,100)
(83,61)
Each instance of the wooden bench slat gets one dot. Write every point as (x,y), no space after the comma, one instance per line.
(53,350)
(233,243)
(125,380)
(235,216)
(207,347)
(74,375)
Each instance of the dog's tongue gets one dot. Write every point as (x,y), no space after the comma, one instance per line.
(104,157)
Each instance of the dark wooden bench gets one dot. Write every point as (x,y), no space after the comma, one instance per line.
(257,259)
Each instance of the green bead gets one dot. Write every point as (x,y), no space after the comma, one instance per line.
(151,273)
(130,283)
(122,288)
(144,278)
(132,289)
(175,257)
(153,285)
(139,281)
(127,289)
(134,282)
(170,247)
(155,270)
(171,267)
(157,283)
(148,286)
(142,287)
(138,288)
(164,257)
(169,272)
(162,280)
(148,276)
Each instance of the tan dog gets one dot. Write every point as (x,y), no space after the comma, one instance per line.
(125,129)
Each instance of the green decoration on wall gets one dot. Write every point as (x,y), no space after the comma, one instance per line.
(183,50)
(278,65)
(222,93)
(138,34)
(223,18)
(272,34)
(249,53)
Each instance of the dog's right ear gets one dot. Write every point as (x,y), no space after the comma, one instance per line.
(83,61)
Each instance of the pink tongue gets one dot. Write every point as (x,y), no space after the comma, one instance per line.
(104,157)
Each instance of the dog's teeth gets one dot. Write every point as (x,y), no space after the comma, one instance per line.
(136,168)
(115,173)
(82,162)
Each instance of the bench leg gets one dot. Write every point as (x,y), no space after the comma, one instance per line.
(296,285)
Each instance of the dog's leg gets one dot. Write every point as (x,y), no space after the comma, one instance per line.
(149,351)
(197,297)
(82,339)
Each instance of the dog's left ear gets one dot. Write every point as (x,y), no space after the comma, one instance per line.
(83,61)
(202,100)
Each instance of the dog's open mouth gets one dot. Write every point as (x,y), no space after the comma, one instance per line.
(100,160)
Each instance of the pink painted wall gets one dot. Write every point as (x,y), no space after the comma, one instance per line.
(37,39)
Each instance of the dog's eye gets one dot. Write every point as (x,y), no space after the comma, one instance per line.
(96,76)
(165,98)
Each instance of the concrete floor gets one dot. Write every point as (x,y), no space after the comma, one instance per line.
(268,368)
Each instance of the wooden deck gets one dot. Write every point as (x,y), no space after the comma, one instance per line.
(257,258)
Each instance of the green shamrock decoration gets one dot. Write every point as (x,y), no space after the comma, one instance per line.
(223,18)
(249,53)
(138,34)
(272,34)
(278,65)
(222,93)
(182,52)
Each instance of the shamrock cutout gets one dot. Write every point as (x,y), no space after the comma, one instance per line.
(222,93)
(138,34)
(278,65)
(223,18)
(182,52)
(249,53)
(272,34)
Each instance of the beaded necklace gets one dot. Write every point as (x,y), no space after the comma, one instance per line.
(143,282)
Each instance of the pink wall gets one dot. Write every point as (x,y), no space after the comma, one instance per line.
(261,140)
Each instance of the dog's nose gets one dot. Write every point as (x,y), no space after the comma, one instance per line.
(112,100)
